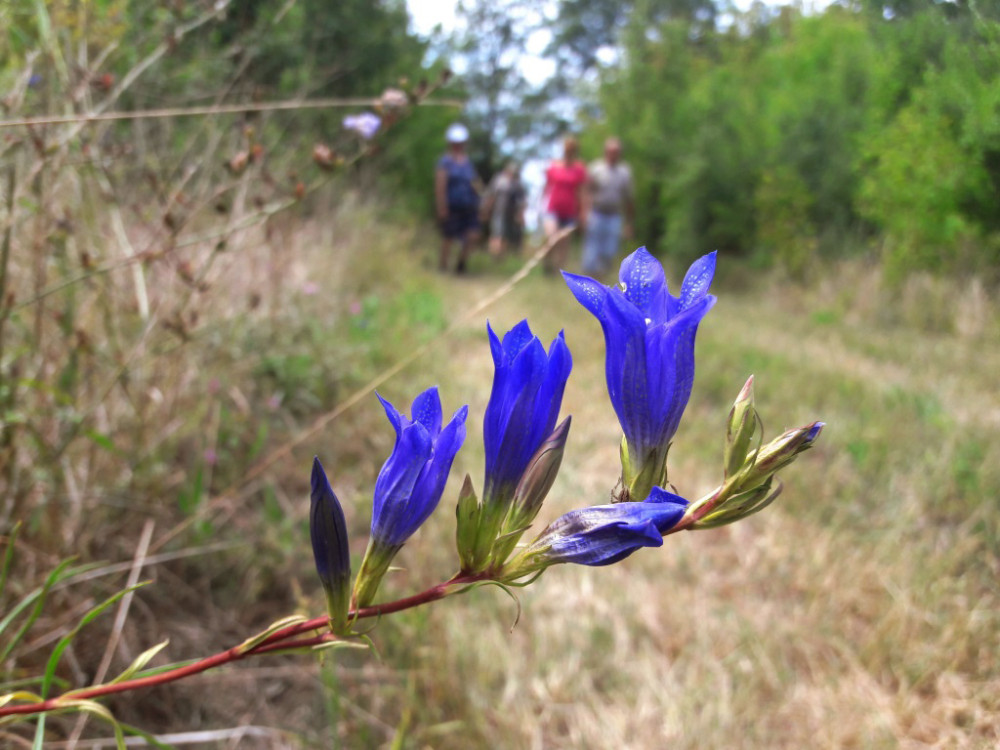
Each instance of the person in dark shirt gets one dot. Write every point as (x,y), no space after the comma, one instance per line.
(503,208)
(456,192)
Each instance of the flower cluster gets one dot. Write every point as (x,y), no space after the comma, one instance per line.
(650,338)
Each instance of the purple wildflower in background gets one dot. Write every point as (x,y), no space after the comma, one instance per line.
(328,530)
(365,125)
(412,479)
(602,534)
(528,386)
(649,335)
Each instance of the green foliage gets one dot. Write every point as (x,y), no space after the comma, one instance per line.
(786,135)
(939,210)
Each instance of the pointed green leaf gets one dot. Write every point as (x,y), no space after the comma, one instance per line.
(140,661)
(255,640)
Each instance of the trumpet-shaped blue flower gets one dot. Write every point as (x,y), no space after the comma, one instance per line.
(412,479)
(527,392)
(410,483)
(328,531)
(649,335)
(602,534)
(523,445)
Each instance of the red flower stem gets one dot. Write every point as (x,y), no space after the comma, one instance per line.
(278,641)
(440,591)
(703,510)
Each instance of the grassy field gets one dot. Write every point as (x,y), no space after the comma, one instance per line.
(861,610)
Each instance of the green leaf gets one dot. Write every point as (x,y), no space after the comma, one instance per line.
(36,597)
(63,644)
(8,556)
(20,695)
(255,640)
(101,712)
(140,661)
(102,441)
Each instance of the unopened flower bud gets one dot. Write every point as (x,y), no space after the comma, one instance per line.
(752,487)
(328,530)
(393,99)
(467,515)
(324,156)
(531,491)
(741,429)
(777,454)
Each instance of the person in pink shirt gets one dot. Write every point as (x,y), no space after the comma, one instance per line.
(564,180)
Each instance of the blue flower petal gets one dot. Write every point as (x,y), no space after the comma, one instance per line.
(397,420)
(697,280)
(589,293)
(328,532)
(427,410)
(642,279)
(410,483)
(528,386)
(605,534)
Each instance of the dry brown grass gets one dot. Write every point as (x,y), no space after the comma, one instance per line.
(859,611)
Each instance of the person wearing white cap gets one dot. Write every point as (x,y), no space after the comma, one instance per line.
(456,193)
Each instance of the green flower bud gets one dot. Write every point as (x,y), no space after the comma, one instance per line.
(741,429)
(531,491)
(777,454)
(468,513)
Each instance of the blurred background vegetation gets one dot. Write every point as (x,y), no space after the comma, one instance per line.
(189,305)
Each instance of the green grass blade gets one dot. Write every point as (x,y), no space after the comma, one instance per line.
(39,741)
(8,557)
(64,642)
(36,597)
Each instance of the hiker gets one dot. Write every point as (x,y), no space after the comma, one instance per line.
(503,207)
(608,208)
(564,180)
(456,192)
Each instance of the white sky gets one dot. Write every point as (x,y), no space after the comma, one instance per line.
(426,14)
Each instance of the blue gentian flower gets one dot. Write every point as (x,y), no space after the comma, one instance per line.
(528,386)
(410,483)
(412,479)
(523,445)
(602,534)
(649,335)
(328,531)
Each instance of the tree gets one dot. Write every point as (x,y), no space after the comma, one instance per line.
(490,45)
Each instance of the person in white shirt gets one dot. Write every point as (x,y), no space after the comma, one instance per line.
(609,208)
